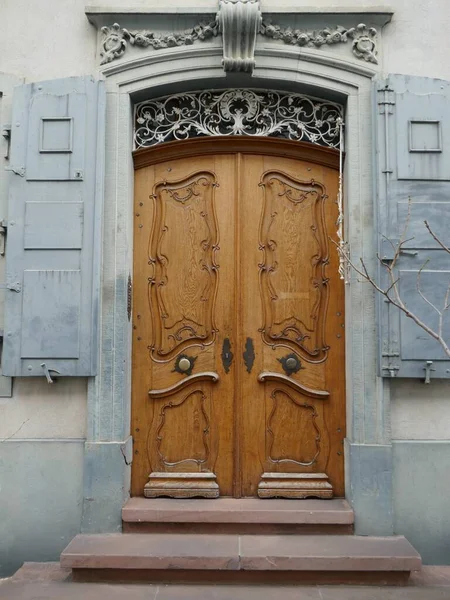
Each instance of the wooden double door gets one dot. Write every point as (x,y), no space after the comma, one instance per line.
(238,321)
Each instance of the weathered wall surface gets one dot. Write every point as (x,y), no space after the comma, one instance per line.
(419,411)
(46,39)
(421,491)
(43,428)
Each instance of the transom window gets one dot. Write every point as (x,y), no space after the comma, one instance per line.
(238,112)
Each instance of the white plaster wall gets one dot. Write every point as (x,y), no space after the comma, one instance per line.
(419,411)
(47,39)
(38,410)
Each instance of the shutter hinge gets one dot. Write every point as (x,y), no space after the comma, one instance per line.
(3,228)
(390,370)
(129,297)
(6,133)
(387,101)
(391,356)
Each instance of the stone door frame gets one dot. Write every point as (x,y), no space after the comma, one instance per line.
(108,451)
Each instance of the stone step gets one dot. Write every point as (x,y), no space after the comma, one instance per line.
(232,558)
(239,516)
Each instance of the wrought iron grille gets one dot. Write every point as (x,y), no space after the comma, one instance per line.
(238,112)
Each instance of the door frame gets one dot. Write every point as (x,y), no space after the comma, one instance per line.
(108,449)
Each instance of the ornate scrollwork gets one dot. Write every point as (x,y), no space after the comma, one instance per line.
(295,298)
(182,291)
(116,39)
(237,112)
(363,38)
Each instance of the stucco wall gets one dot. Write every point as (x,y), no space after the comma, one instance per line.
(419,411)
(38,410)
(49,39)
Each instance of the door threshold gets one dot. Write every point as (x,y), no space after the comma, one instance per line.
(243,515)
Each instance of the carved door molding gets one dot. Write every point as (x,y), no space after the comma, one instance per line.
(238,347)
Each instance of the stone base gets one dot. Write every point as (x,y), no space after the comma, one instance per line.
(295,485)
(182,485)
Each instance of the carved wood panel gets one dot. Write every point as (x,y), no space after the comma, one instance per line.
(293,284)
(187,421)
(183,284)
(293,421)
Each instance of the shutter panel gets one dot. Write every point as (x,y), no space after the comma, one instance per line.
(413,161)
(54,228)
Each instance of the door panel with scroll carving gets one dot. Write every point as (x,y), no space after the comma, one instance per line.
(238,342)
(184,269)
(293,409)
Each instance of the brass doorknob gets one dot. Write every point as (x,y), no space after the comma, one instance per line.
(184,365)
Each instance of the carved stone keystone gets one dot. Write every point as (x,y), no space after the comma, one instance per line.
(239,23)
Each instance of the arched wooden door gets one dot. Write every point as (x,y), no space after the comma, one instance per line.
(238,317)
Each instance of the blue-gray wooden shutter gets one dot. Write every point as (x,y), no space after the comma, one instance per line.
(54,228)
(413,162)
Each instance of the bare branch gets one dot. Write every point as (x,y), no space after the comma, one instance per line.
(419,290)
(403,239)
(435,237)
(441,316)
(447,299)
(396,300)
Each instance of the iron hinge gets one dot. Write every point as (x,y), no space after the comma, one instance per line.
(3,230)
(387,101)
(6,133)
(390,370)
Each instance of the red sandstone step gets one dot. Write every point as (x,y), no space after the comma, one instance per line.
(170,557)
(238,510)
(239,516)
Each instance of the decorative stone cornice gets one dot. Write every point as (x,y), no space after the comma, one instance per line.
(239,22)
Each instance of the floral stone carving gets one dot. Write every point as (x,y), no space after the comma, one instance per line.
(116,39)
(239,22)
(362,38)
